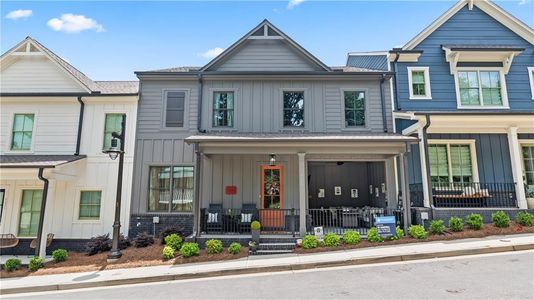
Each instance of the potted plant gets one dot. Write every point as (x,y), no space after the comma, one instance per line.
(529,194)
(255,227)
(252,246)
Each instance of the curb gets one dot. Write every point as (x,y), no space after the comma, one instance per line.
(363,261)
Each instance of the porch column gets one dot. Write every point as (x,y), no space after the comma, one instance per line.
(196,200)
(302,193)
(405,191)
(424,173)
(515,157)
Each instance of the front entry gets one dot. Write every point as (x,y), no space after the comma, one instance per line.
(271,213)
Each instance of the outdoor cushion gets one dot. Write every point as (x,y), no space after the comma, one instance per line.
(246,218)
(213,217)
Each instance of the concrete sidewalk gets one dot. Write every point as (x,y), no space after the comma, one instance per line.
(255,264)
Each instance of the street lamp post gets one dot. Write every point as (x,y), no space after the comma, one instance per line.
(117,151)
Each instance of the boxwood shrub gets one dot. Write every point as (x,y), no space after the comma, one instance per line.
(500,219)
(351,237)
(331,240)
(35,263)
(417,232)
(174,241)
(437,227)
(214,246)
(456,224)
(189,249)
(168,252)
(474,221)
(12,264)
(309,242)
(524,218)
(373,236)
(59,255)
(399,233)
(234,248)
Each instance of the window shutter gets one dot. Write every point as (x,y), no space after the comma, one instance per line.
(174,114)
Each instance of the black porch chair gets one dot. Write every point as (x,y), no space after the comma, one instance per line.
(214,218)
(249,213)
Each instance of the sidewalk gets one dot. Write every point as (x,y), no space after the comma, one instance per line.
(254,264)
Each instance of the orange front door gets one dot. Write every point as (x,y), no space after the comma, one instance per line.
(271,215)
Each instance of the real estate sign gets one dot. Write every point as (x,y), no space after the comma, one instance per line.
(385,226)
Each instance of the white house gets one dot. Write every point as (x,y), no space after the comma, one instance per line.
(54,124)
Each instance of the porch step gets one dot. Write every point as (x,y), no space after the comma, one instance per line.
(270,252)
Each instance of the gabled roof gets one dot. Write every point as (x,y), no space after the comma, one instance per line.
(270,32)
(377,61)
(486,6)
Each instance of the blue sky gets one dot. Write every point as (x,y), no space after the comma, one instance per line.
(109,40)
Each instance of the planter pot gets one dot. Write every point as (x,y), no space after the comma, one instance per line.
(252,247)
(256,236)
(530,203)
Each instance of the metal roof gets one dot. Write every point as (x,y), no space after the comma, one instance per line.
(378,61)
(37,161)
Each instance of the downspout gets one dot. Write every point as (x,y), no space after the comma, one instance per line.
(80,125)
(42,213)
(395,66)
(383,103)
(200,94)
(427,160)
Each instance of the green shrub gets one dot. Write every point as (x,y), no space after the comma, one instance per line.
(189,249)
(255,225)
(59,255)
(373,236)
(35,263)
(174,241)
(143,240)
(437,227)
(399,233)
(331,240)
(524,218)
(351,237)
(456,224)
(214,246)
(168,252)
(309,242)
(12,264)
(417,232)
(234,248)
(474,221)
(500,219)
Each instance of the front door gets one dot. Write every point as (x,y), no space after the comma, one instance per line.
(271,215)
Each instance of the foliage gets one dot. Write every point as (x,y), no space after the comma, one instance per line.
(437,227)
(143,240)
(35,263)
(399,233)
(417,232)
(168,252)
(310,242)
(124,242)
(59,255)
(174,241)
(474,221)
(98,244)
(500,219)
(168,231)
(12,264)
(456,224)
(234,248)
(189,249)
(255,225)
(373,236)
(351,237)
(331,240)
(214,246)
(524,218)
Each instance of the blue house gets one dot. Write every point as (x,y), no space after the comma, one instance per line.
(464,86)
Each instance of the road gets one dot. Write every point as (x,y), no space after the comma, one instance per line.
(490,276)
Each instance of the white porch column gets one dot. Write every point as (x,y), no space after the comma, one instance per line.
(424,175)
(48,216)
(302,193)
(515,157)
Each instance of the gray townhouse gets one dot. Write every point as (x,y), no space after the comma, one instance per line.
(266,131)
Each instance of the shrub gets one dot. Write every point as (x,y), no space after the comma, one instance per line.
(474,221)
(524,218)
(214,246)
(35,263)
(398,234)
(456,224)
(12,264)
(168,252)
(189,249)
(437,227)
(373,236)
(174,241)
(98,244)
(234,248)
(124,242)
(351,237)
(59,255)
(168,231)
(331,240)
(310,242)
(417,232)
(500,219)
(143,240)
(255,225)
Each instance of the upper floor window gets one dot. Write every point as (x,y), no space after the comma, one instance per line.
(22,132)
(451,162)
(223,109)
(354,108)
(531,79)
(174,109)
(112,124)
(170,189)
(480,88)
(293,108)
(419,83)
(90,205)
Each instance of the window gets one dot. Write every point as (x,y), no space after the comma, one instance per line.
(223,109)
(163,187)
(174,109)
(2,194)
(90,205)
(113,124)
(30,212)
(419,83)
(22,132)
(354,108)
(450,162)
(528,167)
(478,88)
(531,79)
(294,109)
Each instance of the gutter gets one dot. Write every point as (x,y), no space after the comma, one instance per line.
(396,83)
(200,96)
(383,104)
(65,95)
(80,125)
(42,213)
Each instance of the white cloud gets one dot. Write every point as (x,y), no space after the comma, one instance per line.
(19,14)
(74,23)
(211,53)
(523,2)
(293,3)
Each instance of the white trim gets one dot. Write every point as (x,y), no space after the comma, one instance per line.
(428,90)
(102,132)
(517,172)
(504,92)
(10,141)
(531,80)
(306,113)
(212,91)
(76,214)
(366,113)
(472,148)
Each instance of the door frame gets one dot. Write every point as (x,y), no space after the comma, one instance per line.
(269,167)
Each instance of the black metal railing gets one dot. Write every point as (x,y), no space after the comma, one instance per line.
(416,195)
(474,194)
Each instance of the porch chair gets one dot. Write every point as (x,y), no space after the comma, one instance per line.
(8,240)
(214,218)
(249,213)
(49,239)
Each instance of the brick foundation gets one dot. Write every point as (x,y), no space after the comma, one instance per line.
(144,223)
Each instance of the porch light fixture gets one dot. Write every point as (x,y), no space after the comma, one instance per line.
(272,161)
(114,151)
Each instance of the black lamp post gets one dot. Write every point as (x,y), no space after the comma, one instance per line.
(114,151)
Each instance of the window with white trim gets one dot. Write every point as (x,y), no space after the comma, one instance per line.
(419,83)
(531,80)
(480,88)
(528,168)
(451,162)
(22,132)
(90,202)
